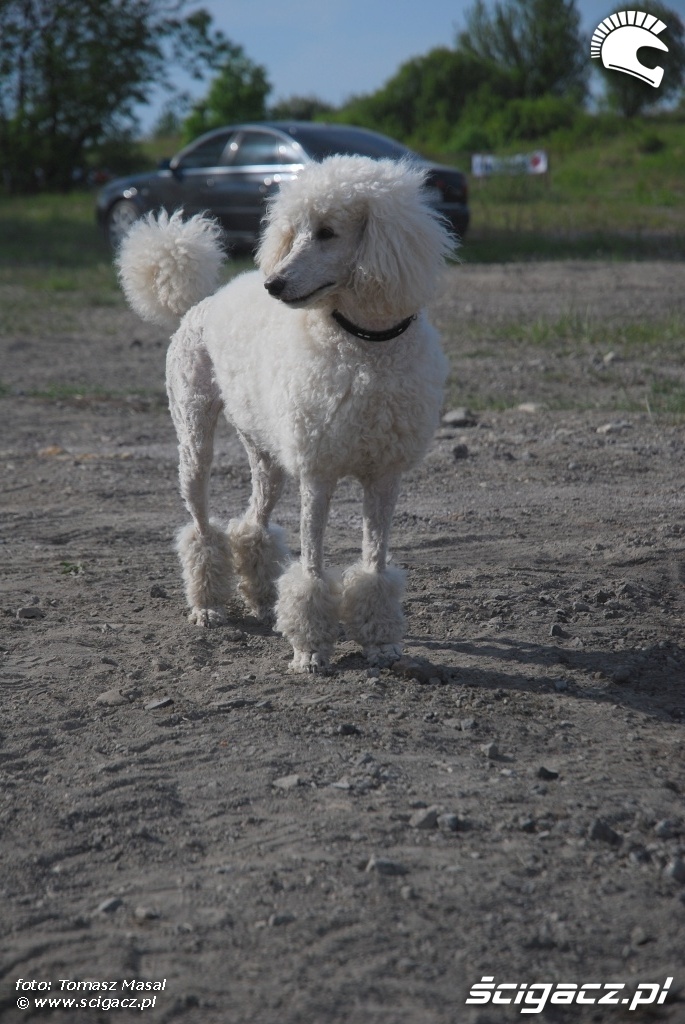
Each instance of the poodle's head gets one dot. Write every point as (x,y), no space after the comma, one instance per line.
(357,225)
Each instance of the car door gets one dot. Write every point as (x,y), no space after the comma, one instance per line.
(191,175)
(258,160)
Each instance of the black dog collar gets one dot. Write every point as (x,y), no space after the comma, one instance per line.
(360,332)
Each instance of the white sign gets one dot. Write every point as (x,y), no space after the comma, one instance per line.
(483,166)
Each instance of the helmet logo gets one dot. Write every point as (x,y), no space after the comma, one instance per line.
(618,38)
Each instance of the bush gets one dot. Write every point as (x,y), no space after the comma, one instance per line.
(531,118)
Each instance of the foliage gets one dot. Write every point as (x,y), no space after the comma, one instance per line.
(300,108)
(237,93)
(629,95)
(72,74)
(538,43)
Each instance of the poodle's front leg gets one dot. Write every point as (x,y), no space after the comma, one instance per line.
(371,607)
(307,611)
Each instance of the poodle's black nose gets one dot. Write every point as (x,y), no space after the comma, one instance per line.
(275,285)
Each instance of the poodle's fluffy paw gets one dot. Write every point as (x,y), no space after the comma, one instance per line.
(309,661)
(383,655)
(208,617)
(259,557)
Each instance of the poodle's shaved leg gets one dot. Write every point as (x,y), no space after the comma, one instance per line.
(371,606)
(259,550)
(380,498)
(202,545)
(308,596)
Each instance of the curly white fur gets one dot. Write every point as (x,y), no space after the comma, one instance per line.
(350,235)
(371,610)
(167,265)
(207,572)
(307,612)
(260,555)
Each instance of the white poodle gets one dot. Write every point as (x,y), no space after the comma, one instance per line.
(325,363)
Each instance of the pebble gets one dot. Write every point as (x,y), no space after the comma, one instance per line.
(466,724)
(276,920)
(157,591)
(675,869)
(384,866)
(556,630)
(419,669)
(638,936)
(460,451)
(460,417)
(159,702)
(580,606)
(145,914)
(667,829)
(621,675)
(560,685)
(425,818)
(547,773)
(448,822)
(108,906)
(287,782)
(604,833)
(111,698)
(615,427)
(348,729)
(30,612)
(491,750)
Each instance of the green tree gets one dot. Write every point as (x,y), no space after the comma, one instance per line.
(629,95)
(72,74)
(538,43)
(237,93)
(300,108)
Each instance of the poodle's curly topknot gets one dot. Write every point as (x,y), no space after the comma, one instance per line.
(167,265)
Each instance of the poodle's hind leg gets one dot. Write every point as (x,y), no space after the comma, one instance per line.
(203,546)
(371,607)
(259,550)
(308,607)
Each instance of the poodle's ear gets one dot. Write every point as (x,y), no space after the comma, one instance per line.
(276,241)
(403,245)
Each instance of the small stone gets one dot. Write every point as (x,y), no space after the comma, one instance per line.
(638,936)
(580,606)
(556,630)
(491,750)
(111,698)
(526,824)
(621,675)
(145,914)
(560,685)
(467,724)
(286,782)
(348,729)
(159,702)
(30,612)
(547,773)
(419,669)
(675,869)
(602,596)
(108,906)
(162,665)
(460,417)
(460,451)
(277,920)
(157,591)
(604,833)
(529,407)
(667,829)
(407,892)
(448,823)
(384,866)
(425,818)
(615,427)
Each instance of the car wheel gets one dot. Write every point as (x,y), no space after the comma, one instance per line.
(119,220)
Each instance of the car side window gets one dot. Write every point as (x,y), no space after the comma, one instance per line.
(209,153)
(261,149)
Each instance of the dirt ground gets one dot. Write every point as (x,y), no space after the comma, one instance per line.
(359,848)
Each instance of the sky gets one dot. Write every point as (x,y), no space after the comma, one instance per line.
(334,49)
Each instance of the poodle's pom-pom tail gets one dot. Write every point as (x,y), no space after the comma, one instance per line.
(167,265)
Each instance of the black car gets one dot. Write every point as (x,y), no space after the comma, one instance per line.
(231,171)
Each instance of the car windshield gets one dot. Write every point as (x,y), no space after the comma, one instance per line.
(320,143)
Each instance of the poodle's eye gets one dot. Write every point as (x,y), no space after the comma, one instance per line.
(324,234)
